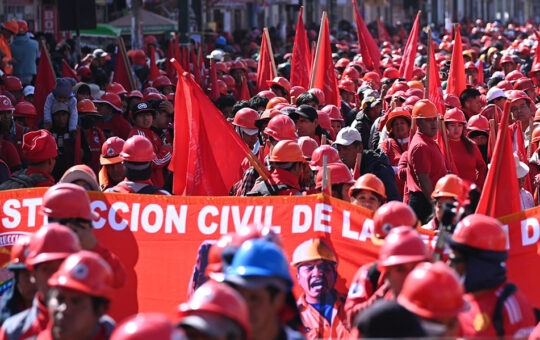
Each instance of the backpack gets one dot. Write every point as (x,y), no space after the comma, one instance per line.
(264,189)
(20,180)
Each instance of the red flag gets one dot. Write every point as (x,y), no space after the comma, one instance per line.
(213,81)
(402,34)
(500,195)
(409,55)
(480,68)
(383,33)
(202,167)
(435,91)
(323,76)
(456,75)
(196,70)
(367,46)
(301,56)
(169,68)
(45,82)
(68,72)
(121,69)
(154,71)
(244,91)
(266,69)
(536,58)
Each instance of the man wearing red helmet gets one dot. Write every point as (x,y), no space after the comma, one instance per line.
(48,248)
(144,326)
(112,167)
(26,52)
(95,137)
(113,124)
(496,308)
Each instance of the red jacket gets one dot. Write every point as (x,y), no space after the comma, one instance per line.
(95,139)
(117,125)
(26,323)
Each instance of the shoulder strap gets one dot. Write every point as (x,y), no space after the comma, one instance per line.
(498,320)
(148,190)
(373,275)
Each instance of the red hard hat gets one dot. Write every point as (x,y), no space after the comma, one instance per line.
(275,101)
(523,84)
(110,151)
(85,272)
(87,106)
(372,76)
(319,94)
(296,91)
(281,82)
(222,87)
(397,86)
(432,291)
(515,95)
(369,182)
(334,112)
(286,151)
(112,99)
(67,200)
(51,242)
(161,81)
(250,62)
(307,145)
(238,65)
(351,73)
(12,83)
(138,149)
(339,173)
(537,115)
(451,100)
(455,115)
(391,73)
(513,76)
(507,59)
(222,67)
(84,72)
(411,101)
(5,104)
(492,111)
(116,88)
(24,109)
(402,245)
(144,326)
(150,39)
(229,80)
(266,93)
(246,118)
(347,85)
(221,300)
(19,251)
(343,62)
(397,113)
(332,156)
(470,66)
(536,134)
(281,127)
(505,85)
(134,94)
(23,26)
(535,68)
(481,232)
(148,90)
(324,120)
(154,95)
(391,215)
(478,123)
(252,76)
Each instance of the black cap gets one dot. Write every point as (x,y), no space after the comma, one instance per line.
(305,111)
(143,107)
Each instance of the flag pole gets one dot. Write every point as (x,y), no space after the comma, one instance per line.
(428,68)
(270,50)
(127,62)
(317,51)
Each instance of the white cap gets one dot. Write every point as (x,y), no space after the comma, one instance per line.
(522,169)
(498,74)
(250,132)
(28,90)
(347,136)
(98,53)
(495,93)
(216,55)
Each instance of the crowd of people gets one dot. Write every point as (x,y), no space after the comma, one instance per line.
(93,135)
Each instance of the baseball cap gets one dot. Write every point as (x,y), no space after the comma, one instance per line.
(495,93)
(305,111)
(98,53)
(143,107)
(347,136)
(370,102)
(28,90)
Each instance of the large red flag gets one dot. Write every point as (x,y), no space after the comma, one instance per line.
(435,91)
(301,56)
(122,69)
(409,55)
(45,82)
(323,76)
(266,69)
(68,72)
(201,165)
(456,75)
(367,47)
(154,71)
(381,30)
(500,195)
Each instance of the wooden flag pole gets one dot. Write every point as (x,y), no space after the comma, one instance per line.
(270,50)
(127,63)
(317,50)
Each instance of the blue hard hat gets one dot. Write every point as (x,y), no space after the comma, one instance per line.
(221,41)
(259,263)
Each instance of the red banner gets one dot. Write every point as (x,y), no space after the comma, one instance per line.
(163,241)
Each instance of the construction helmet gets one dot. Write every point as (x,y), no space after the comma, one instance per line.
(410,101)
(81,172)
(261,259)
(492,111)
(324,120)
(5,104)
(432,291)
(274,101)
(339,173)
(281,127)
(536,134)
(267,94)
(505,85)
(416,84)
(480,232)
(319,94)
(513,76)
(12,83)
(134,94)
(334,112)
(523,84)
(470,66)
(116,88)
(372,76)
(397,113)
(112,99)
(221,67)
(12,26)
(218,299)
(391,215)
(515,95)
(451,100)
(281,82)
(287,151)
(138,149)
(448,186)
(351,73)
(144,326)
(222,87)
(307,145)
(342,62)
(402,245)
(246,118)
(110,151)
(455,115)
(535,68)
(67,200)
(25,109)
(424,109)
(86,106)
(51,242)
(346,84)
(478,123)
(391,73)
(311,250)
(296,91)
(229,80)
(87,272)
(368,182)
(161,81)
(332,156)
(19,251)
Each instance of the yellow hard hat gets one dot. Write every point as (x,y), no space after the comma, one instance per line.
(312,249)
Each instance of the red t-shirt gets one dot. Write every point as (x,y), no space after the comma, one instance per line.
(470,166)
(425,157)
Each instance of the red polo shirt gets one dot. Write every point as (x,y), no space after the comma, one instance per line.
(425,157)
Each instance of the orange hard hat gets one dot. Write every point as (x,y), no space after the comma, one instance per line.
(116,88)
(339,173)
(144,326)
(524,84)
(402,245)
(287,151)
(536,134)
(112,99)
(480,232)
(19,251)
(432,291)
(332,156)
(138,149)
(416,84)
(448,186)
(281,127)
(246,118)
(311,250)
(25,109)
(86,272)
(307,145)
(424,109)
(274,101)
(12,83)
(51,242)
(455,115)
(67,200)
(161,81)
(281,82)
(86,106)
(12,26)
(397,113)
(391,215)
(110,151)
(81,172)
(368,182)
(451,100)
(478,123)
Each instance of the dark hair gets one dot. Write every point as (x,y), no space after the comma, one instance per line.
(135,174)
(305,98)
(100,305)
(225,101)
(239,106)
(469,144)
(468,94)
(257,102)
(494,81)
